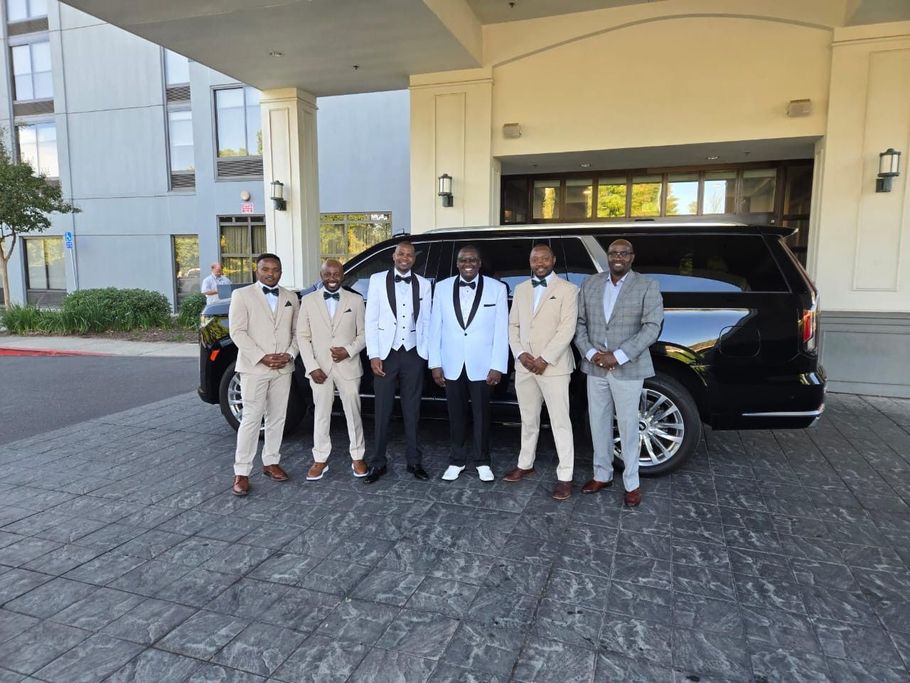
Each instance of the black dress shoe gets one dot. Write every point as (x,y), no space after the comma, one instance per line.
(373,474)
(418,472)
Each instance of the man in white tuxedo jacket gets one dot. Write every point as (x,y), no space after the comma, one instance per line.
(397,321)
(469,354)
(330,336)
(262,319)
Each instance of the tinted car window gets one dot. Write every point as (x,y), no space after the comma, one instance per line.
(574,263)
(706,263)
(358,277)
(504,259)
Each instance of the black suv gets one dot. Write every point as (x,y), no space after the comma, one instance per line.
(737,349)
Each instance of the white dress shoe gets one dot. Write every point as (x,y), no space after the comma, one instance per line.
(452,472)
(485,473)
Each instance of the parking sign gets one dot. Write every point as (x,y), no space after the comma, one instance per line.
(68,239)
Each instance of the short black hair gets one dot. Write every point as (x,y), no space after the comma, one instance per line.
(267,256)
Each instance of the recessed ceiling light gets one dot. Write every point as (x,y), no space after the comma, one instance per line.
(713,157)
(276,53)
(355,67)
(585,164)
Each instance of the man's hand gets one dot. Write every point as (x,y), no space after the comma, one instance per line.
(605,359)
(376,367)
(494,377)
(527,360)
(538,366)
(438,377)
(275,361)
(318,376)
(339,353)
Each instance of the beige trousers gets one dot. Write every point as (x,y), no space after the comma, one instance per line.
(264,395)
(533,391)
(323,397)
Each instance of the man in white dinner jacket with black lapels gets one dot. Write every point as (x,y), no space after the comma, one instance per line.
(330,335)
(469,354)
(263,319)
(397,321)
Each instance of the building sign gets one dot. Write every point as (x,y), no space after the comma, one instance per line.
(247,207)
(68,239)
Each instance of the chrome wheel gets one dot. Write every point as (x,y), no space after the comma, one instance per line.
(234,400)
(661,429)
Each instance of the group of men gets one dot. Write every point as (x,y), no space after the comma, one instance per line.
(463,331)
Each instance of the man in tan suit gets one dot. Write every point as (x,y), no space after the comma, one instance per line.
(330,335)
(262,321)
(541,329)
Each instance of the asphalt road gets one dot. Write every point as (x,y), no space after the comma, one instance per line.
(40,394)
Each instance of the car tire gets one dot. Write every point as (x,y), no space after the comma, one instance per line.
(229,400)
(669,427)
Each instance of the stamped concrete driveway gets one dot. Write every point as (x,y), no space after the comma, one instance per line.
(771,556)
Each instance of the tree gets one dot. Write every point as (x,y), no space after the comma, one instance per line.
(26,200)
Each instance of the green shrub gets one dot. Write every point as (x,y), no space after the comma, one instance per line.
(190,309)
(23,319)
(97,310)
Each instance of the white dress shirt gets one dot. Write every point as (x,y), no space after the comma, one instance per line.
(332,304)
(405,329)
(611,294)
(466,297)
(211,282)
(272,299)
(540,290)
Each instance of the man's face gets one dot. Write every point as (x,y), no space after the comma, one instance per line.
(216,270)
(542,262)
(332,274)
(620,257)
(268,272)
(404,257)
(468,262)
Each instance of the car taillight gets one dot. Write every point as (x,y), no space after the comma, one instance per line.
(807,329)
(214,354)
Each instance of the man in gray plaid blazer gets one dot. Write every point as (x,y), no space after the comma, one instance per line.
(619,316)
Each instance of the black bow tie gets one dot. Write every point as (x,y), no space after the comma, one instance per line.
(535,283)
(331,295)
(406,280)
(268,290)
(462,283)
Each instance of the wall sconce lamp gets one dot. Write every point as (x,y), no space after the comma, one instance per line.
(445,189)
(889,167)
(278,195)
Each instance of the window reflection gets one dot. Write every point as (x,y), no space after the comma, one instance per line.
(682,194)
(720,190)
(646,195)
(579,198)
(611,197)
(546,199)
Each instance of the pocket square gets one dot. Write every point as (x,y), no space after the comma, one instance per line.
(348,311)
(552,297)
(287,303)
(488,305)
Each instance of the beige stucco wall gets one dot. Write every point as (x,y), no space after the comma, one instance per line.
(863,243)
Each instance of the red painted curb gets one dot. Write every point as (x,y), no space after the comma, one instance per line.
(5,351)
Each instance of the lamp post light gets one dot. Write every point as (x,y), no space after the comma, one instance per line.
(445,189)
(889,168)
(278,195)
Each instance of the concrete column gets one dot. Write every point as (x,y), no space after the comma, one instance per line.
(289,154)
(450,133)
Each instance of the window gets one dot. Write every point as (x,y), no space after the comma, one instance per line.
(702,263)
(32,71)
(720,189)
(21,10)
(186,266)
(343,235)
(758,190)
(575,262)
(646,195)
(37,145)
(611,197)
(358,277)
(238,122)
(546,199)
(579,198)
(176,69)
(180,140)
(242,239)
(44,268)
(682,194)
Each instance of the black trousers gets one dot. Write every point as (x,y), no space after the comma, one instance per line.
(458,393)
(406,370)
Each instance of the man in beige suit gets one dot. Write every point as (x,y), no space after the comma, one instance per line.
(541,329)
(263,317)
(330,335)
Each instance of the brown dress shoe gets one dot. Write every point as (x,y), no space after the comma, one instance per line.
(359,467)
(594,486)
(563,490)
(275,472)
(241,485)
(316,471)
(518,474)
(633,498)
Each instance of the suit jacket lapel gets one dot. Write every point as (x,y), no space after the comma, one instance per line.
(551,286)
(390,291)
(259,295)
(415,296)
(323,311)
(477,297)
(339,308)
(456,300)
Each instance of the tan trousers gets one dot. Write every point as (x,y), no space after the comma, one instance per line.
(263,395)
(323,397)
(533,391)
